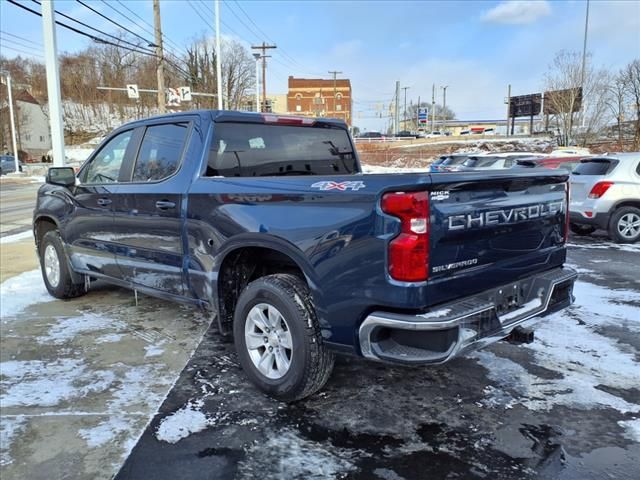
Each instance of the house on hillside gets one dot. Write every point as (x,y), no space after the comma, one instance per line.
(32,125)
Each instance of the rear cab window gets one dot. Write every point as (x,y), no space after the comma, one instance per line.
(595,166)
(256,150)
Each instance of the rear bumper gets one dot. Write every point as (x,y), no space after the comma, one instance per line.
(599,220)
(455,328)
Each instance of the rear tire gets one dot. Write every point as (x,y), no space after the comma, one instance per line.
(278,339)
(55,268)
(624,226)
(582,229)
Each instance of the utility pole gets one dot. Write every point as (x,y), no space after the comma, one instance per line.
(257,57)
(335,74)
(444,106)
(433,107)
(219,56)
(405,106)
(264,47)
(7,75)
(508,108)
(53,84)
(418,115)
(159,56)
(584,64)
(397,109)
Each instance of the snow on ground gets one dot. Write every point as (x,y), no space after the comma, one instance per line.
(68,328)
(22,291)
(10,427)
(632,429)
(16,237)
(303,459)
(529,143)
(48,383)
(77,154)
(569,344)
(624,247)
(189,419)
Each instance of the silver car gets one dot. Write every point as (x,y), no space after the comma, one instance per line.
(605,193)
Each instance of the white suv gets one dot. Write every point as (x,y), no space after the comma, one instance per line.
(605,193)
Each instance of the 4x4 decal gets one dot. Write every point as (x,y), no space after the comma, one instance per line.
(340,186)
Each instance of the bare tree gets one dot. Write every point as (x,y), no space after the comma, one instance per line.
(578,100)
(616,102)
(630,77)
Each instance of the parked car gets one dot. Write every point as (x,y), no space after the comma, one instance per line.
(605,193)
(268,222)
(570,152)
(434,134)
(494,161)
(566,162)
(465,132)
(406,134)
(371,135)
(8,164)
(447,163)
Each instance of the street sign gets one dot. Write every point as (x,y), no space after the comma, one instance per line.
(185,94)
(526,105)
(422,116)
(132,91)
(173,97)
(561,101)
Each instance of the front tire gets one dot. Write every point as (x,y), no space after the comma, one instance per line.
(278,339)
(55,268)
(624,226)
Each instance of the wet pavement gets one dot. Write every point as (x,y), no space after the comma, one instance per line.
(554,409)
(565,407)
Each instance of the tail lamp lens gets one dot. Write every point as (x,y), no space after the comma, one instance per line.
(599,189)
(408,256)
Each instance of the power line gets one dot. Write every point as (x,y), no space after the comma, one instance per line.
(38,44)
(83,24)
(8,47)
(20,44)
(149,44)
(193,7)
(146,30)
(100,40)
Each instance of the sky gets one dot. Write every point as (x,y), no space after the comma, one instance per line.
(476,48)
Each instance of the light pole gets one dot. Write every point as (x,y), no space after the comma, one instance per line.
(444,106)
(7,75)
(257,57)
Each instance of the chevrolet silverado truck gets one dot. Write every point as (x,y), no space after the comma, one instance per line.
(267,222)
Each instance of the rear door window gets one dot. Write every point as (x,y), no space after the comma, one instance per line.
(255,150)
(160,152)
(594,167)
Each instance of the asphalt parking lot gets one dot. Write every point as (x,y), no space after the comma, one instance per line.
(97,387)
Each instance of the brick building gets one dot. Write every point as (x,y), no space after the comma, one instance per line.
(315,97)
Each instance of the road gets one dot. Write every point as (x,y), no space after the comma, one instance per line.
(17,200)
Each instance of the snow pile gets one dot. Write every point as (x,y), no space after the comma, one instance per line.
(632,429)
(22,291)
(105,432)
(189,419)
(77,154)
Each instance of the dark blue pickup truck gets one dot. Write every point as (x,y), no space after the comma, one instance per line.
(268,222)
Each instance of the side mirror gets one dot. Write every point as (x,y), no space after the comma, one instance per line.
(63,176)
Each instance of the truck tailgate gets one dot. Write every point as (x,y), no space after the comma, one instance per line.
(491,229)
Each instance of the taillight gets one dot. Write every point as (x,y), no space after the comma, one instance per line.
(288,120)
(599,189)
(408,259)
(567,190)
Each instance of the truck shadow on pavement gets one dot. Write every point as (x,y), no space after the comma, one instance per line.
(370,421)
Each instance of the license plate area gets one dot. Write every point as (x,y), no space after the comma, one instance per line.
(511,297)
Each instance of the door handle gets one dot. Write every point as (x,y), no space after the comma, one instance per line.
(103,202)
(165,205)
